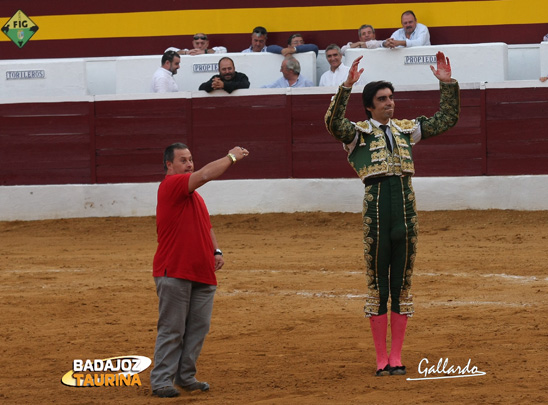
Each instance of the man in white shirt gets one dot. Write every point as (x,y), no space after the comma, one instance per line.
(337,72)
(412,33)
(162,80)
(366,39)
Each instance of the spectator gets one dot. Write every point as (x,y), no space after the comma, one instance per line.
(366,36)
(545,39)
(258,40)
(295,44)
(162,80)
(337,72)
(201,46)
(412,33)
(227,79)
(291,75)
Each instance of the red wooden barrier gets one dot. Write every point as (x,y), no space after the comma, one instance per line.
(517,128)
(45,143)
(500,132)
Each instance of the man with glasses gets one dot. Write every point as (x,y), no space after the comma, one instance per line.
(162,80)
(258,40)
(201,47)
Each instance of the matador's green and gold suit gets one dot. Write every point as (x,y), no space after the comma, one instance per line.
(389,210)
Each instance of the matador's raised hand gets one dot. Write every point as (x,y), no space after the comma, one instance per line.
(353,74)
(443,70)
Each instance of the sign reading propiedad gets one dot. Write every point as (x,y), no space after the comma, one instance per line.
(20,28)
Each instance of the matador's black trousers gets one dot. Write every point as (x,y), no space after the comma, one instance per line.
(390,241)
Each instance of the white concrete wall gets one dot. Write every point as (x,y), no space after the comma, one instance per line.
(515,84)
(263,196)
(101,74)
(470,63)
(524,62)
(544,59)
(489,62)
(133,74)
(52,77)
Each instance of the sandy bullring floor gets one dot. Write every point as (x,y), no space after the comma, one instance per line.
(288,326)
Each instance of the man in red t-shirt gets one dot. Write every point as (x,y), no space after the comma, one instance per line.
(184,269)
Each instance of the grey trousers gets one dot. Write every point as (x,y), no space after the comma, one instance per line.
(184,317)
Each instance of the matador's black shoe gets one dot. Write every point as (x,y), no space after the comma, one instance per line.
(381,372)
(398,370)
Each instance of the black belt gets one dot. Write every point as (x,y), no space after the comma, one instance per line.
(375,180)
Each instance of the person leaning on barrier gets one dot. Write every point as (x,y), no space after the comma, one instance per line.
(162,80)
(411,34)
(337,72)
(295,44)
(366,36)
(227,79)
(184,267)
(379,150)
(258,40)
(200,45)
(291,75)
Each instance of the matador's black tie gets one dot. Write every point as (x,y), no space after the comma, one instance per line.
(386,137)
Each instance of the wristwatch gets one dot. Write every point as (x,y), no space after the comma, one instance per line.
(232,157)
(218,252)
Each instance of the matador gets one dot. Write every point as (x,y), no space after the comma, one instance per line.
(380,151)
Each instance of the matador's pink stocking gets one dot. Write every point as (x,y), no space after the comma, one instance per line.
(398,324)
(379,324)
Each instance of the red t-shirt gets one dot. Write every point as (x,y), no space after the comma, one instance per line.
(185,249)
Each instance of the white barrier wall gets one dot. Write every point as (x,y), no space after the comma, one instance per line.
(263,196)
(133,74)
(43,77)
(470,63)
(101,74)
(524,62)
(544,59)
(489,62)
